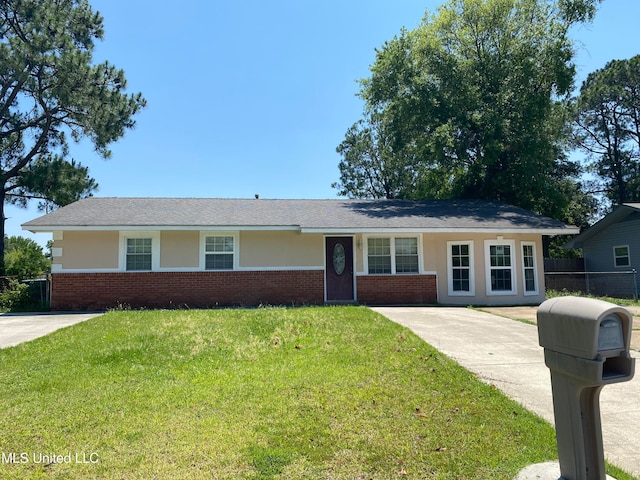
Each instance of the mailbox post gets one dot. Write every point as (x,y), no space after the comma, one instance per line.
(586,346)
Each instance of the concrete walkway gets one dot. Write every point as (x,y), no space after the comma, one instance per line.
(16,328)
(505,353)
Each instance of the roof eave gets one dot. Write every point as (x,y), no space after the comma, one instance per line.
(569,230)
(541,231)
(615,216)
(151,228)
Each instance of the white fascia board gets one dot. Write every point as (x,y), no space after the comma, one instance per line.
(326,231)
(541,231)
(152,228)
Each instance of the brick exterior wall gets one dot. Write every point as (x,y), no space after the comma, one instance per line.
(97,291)
(397,289)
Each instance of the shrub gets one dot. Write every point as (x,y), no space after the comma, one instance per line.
(15,295)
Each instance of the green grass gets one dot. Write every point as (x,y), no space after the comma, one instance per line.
(628,302)
(309,393)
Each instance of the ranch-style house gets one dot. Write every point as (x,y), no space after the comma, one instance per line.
(207,252)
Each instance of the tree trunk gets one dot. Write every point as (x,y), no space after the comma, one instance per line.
(3,270)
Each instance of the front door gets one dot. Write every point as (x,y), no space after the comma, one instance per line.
(339,269)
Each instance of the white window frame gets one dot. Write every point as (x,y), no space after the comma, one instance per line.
(472,287)
(488,268)
(392,241)
(534,268)
(155,249)
(627,256)
(236,249)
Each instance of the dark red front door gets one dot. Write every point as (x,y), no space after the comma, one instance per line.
(339,269)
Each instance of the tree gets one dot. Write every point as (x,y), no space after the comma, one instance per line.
(474,100)
(51,90)
(54,181)
(607,121)
(371,166)
(24,258)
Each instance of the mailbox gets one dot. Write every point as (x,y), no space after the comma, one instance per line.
(586,338)
(586,346)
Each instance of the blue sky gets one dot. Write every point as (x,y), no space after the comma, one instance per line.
(253,97)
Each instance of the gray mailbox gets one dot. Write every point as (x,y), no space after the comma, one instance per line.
(586,346)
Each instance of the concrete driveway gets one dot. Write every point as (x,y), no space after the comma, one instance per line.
(506,354)
(16,328)
(529,314)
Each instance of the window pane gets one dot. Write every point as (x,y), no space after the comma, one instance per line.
(379,246)
(218,261)
(461,281)
(529,280)
(406,263)
(406,246)
(219,244)
(501,279)
(139,262)
(138,245)
(621,251)
(500,255)
(622,261)
(380,264)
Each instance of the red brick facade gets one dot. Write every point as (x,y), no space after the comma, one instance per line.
(97,291)
(397,289)
(88,291)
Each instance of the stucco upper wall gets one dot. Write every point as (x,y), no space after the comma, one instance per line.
(269,249)
(180,249)
(82,250)
(183,250)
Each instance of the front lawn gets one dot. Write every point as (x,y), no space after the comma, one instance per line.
(335,393)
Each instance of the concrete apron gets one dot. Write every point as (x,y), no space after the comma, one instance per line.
(505,353)
(16,328)
(543,471)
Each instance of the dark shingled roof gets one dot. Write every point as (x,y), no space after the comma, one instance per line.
(306,215)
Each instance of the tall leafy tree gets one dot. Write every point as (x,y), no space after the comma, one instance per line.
(51,90)
(607,120)
(25,258)
(372,166)
(474,98)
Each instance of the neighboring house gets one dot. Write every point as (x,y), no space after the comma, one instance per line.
(172,252)
(612,247)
